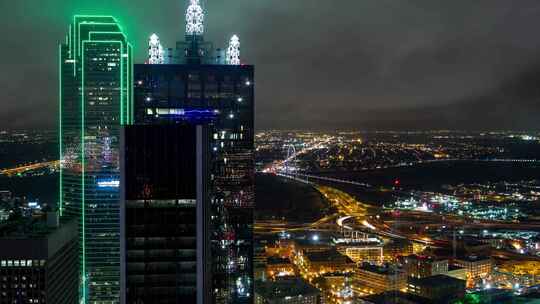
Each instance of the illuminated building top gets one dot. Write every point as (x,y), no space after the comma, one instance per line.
(233,51)
(155,50)
(194,19)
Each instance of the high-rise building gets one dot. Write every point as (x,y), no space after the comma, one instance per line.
(95,66)
(165,214)
(38,261)
(194,84)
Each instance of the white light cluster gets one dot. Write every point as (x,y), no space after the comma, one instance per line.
(155,50)
(233,51)
(194,18)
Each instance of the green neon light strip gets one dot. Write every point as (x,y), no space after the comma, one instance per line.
(122,84)
(90,34)
(78,47)
(83,200)
(60,192)
(130,87)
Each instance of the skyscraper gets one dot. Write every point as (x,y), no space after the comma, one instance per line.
(197,83)
(165,213)
(95,66)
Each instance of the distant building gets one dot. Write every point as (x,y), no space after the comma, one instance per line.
(476,266)
(321,262)
(259,261)
(393,297)
(39,262)
(369,279)
(439,288)
(395,248)
(279,267)
(361,249)
(5,195)
(294,291)
(457,272)
(308,246)
(424,266)
(165,214)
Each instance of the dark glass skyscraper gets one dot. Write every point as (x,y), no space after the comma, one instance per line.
(174,93)
(95,100)
(165,214)
(196,82)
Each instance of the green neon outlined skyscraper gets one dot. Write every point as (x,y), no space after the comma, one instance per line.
(95,68)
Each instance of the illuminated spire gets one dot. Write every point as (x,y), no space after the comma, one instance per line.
(233,51)
(194,18)
(155,50)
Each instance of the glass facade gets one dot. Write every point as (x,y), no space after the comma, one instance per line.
(95,100)
(166,213)
(176,93)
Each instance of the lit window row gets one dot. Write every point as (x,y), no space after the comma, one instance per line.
(22,263)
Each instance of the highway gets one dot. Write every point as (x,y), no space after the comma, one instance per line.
(30,167)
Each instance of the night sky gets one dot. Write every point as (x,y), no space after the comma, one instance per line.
(332,64)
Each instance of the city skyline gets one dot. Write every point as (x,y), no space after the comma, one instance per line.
(395,157)
(439,66)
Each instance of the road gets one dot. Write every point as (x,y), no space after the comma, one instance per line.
(26,168)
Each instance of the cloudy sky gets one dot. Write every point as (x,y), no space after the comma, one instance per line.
(332,64)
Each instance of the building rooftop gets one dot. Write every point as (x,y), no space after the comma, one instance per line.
(396,297)
(427,258)
(437,280)
(34,227)
(386,269)
(331,255)
(454,267)
(473,258)
(277,260)
(284,288)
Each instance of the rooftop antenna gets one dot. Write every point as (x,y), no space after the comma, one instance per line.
(194,19)
(155,50)
(233,51)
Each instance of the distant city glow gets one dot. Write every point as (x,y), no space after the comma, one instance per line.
(233,51)
(194,18)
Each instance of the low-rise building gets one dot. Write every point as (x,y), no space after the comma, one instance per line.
(439,288)
(361,250)
(419,266)
(279,267)
(457,272)
(396,248)
(293,291)
(476,266)
(320,262)
(370,279)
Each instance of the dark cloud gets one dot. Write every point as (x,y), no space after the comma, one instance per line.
(319,64)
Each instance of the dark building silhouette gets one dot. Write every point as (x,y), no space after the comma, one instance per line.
(39,262)
(174,93)
(165,214)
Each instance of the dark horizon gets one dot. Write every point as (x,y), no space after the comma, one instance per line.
(377,65)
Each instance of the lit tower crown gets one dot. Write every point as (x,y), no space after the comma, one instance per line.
(194,19)
(233,51)
(155,50)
